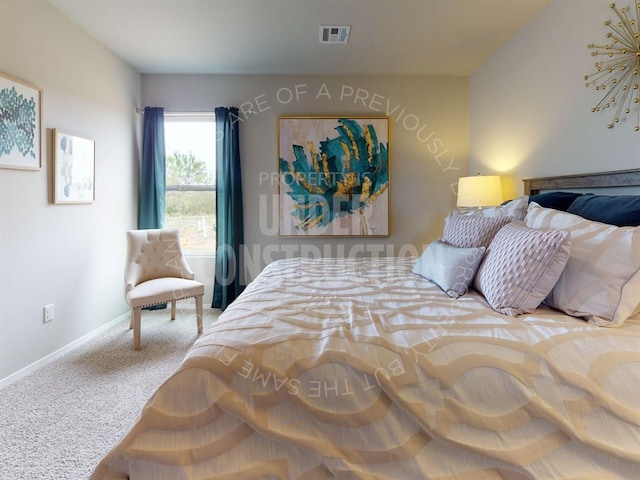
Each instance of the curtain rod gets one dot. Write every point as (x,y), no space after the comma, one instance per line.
(140,111)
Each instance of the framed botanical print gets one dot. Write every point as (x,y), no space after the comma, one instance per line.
(20,124)
(333,176)
(73,168)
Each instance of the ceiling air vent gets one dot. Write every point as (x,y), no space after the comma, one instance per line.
(334,33)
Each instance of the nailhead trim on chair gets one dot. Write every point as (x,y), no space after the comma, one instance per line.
(176,299)
(156,254)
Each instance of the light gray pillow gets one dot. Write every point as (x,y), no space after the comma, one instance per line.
(521,267)
(451,268)
(471,230)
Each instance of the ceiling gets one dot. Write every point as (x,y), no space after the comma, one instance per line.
(388,37)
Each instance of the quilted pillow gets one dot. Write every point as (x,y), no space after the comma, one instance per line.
(451,268)
(521,267)
(468,231)
(516,209)
(602,278)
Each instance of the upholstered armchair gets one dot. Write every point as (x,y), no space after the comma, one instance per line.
(157,272)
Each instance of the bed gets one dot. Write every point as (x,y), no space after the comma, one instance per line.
(363,368)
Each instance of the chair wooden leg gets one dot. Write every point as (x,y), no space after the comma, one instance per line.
(173,309)
(199,313)
(136,328)
(133,312)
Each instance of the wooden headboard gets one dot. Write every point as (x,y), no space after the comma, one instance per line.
(619,178)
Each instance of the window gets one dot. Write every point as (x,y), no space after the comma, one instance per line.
(190,203)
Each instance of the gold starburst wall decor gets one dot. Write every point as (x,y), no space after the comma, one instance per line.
(617,73)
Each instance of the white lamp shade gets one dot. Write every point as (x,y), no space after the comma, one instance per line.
(479,191)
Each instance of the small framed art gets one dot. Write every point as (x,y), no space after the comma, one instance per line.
(73,168)
(334,176)
(20,124)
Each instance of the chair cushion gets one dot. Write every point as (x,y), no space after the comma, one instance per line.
(160,290)
(154,253)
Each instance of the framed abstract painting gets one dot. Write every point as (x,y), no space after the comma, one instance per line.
(333,176)
(20,124)
(73,168)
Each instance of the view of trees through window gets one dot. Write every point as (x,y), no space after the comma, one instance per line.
(190,202)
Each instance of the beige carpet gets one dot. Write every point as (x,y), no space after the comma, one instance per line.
(58,422)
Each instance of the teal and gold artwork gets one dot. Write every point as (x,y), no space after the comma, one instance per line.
(334,176)
(19,124)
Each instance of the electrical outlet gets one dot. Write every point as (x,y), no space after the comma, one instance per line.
(48,313)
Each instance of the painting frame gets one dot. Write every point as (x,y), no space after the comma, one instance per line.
(74,167)
(334,176)
(20,102)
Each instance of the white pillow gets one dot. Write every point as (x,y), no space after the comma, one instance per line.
(601,281)
(451,268)
(467,231)
(516,209)
(521,267)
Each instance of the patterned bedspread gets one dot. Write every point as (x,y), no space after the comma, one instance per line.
(352,369)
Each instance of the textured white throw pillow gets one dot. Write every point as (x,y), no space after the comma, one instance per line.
(451,268)
(516,209)
(521,267)
(468,231)
(601,281)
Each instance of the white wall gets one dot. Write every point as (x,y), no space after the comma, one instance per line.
(72,255)
(530,113)
(68,255)
(428,146)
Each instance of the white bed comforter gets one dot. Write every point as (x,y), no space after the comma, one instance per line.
(359,369)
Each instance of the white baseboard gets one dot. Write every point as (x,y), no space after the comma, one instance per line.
(60,352)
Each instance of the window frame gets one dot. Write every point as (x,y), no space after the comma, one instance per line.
(191,117)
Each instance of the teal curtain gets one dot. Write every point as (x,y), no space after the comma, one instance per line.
(229,226)
(152,175)
(152,170)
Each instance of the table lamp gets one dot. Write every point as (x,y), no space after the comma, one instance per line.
(479,191)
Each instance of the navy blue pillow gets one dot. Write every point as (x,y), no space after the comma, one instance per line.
(555,200)
(619,210)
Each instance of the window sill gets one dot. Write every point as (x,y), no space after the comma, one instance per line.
(200,255)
